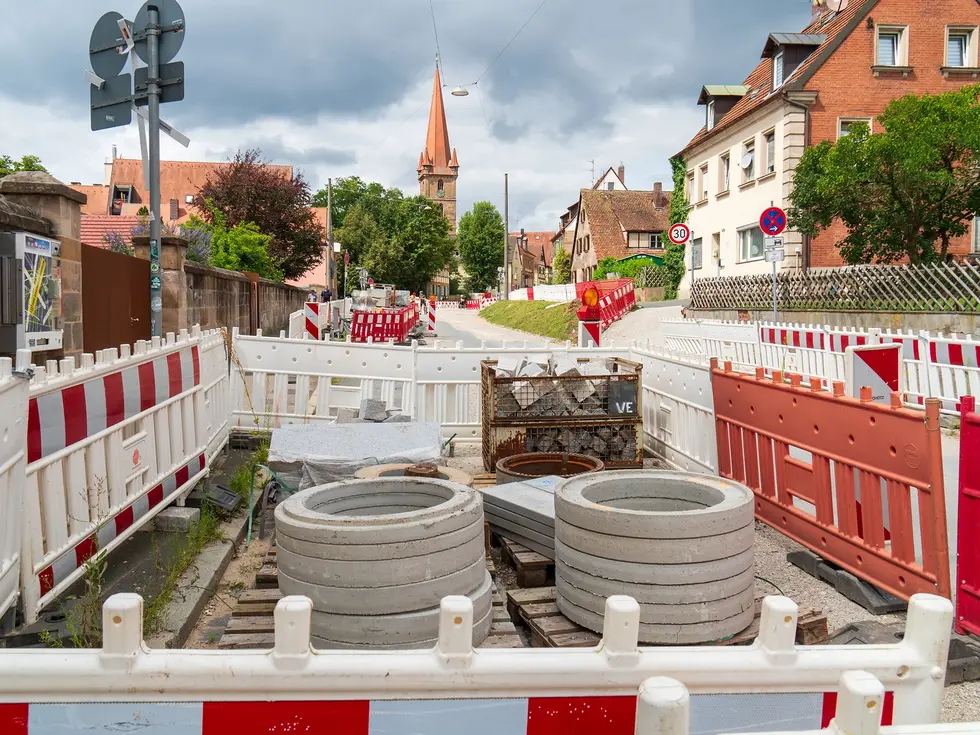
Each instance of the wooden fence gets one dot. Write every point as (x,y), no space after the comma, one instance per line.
(941,287)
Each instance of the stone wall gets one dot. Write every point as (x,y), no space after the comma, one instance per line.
(905,321)
(216,297)
(50,201)
(278,301)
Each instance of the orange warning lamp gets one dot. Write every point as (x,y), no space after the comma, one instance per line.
(590,297)
(590,305)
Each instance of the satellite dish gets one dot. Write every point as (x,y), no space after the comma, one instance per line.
(836,5)
(747,159)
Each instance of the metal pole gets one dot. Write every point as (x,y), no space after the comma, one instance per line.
(153,91)
(330,253)
(506,289)
(775,314)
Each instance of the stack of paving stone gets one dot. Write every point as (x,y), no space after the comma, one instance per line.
(542,398)
(524,512)
(373,411)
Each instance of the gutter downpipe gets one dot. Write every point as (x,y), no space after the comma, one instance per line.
(806,145)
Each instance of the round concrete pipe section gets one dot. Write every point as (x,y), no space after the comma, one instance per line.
(376,557)
(680,544)
(399,470)
(523,467)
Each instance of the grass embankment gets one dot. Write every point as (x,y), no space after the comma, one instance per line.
(557,322)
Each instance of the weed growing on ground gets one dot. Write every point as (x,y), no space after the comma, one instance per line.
(84,619)
(242,478)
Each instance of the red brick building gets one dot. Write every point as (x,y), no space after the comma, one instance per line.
(846,66)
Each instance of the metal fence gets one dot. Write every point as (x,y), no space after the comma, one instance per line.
(652,277)
(942,287)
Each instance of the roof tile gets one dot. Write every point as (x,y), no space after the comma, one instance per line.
(610,214)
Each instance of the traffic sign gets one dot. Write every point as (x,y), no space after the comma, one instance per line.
(172,25)
(679,233)
(107,47)
(878,367)
(171,83)
(773,243)
(112,103)
(773,221)
(775,256)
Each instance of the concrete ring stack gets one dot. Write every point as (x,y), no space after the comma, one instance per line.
(680,544)
(376,557)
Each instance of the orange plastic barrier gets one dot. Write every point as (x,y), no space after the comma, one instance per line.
(968,521)
(856,447)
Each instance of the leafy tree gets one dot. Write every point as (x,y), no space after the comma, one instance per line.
(251,192)
(114,241)
(680,207)
(359,234)
(242,248)
(381,203)
(627,268)
(27,163)
(481,245)
(900,192)
(199,238)
(561,266)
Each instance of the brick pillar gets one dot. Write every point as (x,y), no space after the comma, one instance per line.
(173,255)
(61,206)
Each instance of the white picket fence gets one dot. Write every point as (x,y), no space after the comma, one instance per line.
(13,461)
(935,366)
(110,443)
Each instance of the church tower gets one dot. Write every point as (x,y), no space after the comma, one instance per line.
(438,167)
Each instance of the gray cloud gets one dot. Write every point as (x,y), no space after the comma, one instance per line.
(275,151)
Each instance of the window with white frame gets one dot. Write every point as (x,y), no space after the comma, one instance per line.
(696,253)
(711,114)
(748,161)
(770,140)
(961,47)
(777,70)
(892,46)
(750,244)
(704,182)
(724,172)
(846,125)
(610,185)
(690,186)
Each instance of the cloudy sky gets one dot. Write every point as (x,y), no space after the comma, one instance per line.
(338,88)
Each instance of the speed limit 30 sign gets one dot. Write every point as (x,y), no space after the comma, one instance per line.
(679,234)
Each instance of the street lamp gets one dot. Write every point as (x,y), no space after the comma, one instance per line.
(460,91)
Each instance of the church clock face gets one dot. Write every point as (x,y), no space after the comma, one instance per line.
(441,193)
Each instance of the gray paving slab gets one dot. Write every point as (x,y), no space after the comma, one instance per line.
(525,499)
(494,512)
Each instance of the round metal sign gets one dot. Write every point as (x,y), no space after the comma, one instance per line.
(773,221)
(171,41)
(105,46)
(679,234)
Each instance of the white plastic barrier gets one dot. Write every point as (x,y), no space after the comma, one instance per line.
(559,293)
(281,382)
(110,443)
(572,690)
(678,408)
(933,365)
(213,349)
(13,463)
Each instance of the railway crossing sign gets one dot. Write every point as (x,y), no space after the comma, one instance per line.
(679,233)
(773,221)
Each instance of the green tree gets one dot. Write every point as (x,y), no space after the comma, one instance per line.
(251,191)
(900,192)
(561,266)
(680,207)
(359,235)
(419,248)
(242,248)
(381,203)
(27,163)
(481,245)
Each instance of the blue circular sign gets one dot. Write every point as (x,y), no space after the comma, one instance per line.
(773,221)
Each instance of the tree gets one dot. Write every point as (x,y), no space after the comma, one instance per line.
(561,266)
(241,248)
(481,245)
(359,234)
(250,191)
(899,192)
(680,207)
(27,163)
(381,203)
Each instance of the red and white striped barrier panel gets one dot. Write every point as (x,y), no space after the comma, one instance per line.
(431,326)
(617,303)
(487,301)
(291,688)
(967,579)
(312,311)
(13,466)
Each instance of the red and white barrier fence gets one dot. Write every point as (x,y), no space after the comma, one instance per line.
(383,325)
(13,464)
(774,683)
(109,444)
(968,521)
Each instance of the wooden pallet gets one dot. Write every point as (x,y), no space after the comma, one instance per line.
(252,623)
(533,569)
(549,628)
(485,480)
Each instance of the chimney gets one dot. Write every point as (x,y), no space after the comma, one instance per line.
(115,153)
(658,195)
(622,173)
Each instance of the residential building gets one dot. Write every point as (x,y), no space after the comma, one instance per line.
(618,224)
(845,67)
(438,171)
(522,260)
(612,180)
(535,251)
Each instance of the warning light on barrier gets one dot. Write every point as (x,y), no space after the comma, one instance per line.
(590,297)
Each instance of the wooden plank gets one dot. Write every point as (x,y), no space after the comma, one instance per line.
(811,628)
(498,599)
(503,628)
(531,596)
(267,577)
(247,609)
(260,596)
(583,639)
(251,624)
(539,610)
(250,640)
(500,615)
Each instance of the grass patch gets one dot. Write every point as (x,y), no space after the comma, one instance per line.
(242,478)
(534,317)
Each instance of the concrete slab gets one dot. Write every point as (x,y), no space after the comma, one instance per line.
(534,503)
(373,410)
(177,520)
(520,524)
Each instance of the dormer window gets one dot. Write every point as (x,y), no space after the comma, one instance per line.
(711,114)
(777,70)
(718,100)
(788,51)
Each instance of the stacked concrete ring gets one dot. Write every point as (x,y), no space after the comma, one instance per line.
(680,544)
(377,556)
